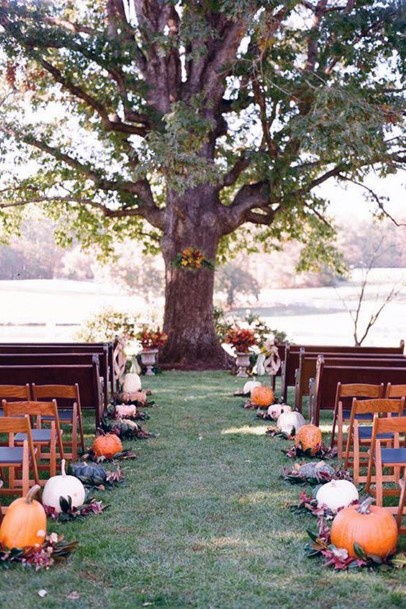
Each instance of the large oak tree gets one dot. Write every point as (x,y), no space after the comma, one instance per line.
(194,124)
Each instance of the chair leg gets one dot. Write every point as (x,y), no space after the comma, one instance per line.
(402,500)
(34,466)
(340,436)
(12,477)
(368,482)
(356,454)
(52,454)
(25,469)
(74,437)
(347,450)
(378,476)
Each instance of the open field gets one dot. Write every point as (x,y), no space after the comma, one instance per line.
(202,522)
(53,310)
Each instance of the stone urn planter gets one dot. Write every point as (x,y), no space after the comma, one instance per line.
(148,358)
(242,361)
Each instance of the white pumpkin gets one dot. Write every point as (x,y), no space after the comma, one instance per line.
(337,494)
(250,385)
(63,486)
(126,410)
(132,382)
(290,422)
(275,410)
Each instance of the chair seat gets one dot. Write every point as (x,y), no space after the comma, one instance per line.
(365,433)
(64,415)
(38,435)
(360,417)
(11,454)
(393,455)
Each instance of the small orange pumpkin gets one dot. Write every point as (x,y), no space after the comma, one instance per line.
(107,445)
(373,528)
(262,396)
(309,437)
(134,396)
(25,522)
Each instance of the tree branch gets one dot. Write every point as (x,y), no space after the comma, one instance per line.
(71,26)
(232,176)
(336,171)
(312,48)
(140,188)
(375,197)
(110,125)
(249,197)
(163,69)
(155,218)
(374,316)
(42,40)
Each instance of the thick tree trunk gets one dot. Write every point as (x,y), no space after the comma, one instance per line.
(188,317)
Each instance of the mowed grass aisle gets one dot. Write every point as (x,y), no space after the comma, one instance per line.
(201,522)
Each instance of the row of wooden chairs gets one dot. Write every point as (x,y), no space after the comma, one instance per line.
(381,442)
(46,431)
(393,458)
(34,430)
(69,408)
(14,458)
(342,406)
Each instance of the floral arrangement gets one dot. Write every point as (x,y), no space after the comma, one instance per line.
(192,258)
(52,550)
(152,339)
(241,339)
(69,512)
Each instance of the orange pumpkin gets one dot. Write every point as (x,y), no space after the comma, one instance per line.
(107,445)
(309,437)
(373,528)
(133,396)
(25,522)
(262,396)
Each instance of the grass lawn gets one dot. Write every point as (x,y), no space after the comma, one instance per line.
(201,522)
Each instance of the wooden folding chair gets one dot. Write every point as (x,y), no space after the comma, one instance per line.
(14,457)
(395,391)
(383,459)
(361,435)
(342,408)
(16,392)
(70,413)
(46,440)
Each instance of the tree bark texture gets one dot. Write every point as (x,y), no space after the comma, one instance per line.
(188,317)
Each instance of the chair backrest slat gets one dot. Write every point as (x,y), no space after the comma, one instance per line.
(379,406)
(395,391)
(389,424)
(31,408)
(359,390)
(50,392)
(10,424)
(21,392)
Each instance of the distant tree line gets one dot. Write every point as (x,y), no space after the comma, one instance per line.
(35,255)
